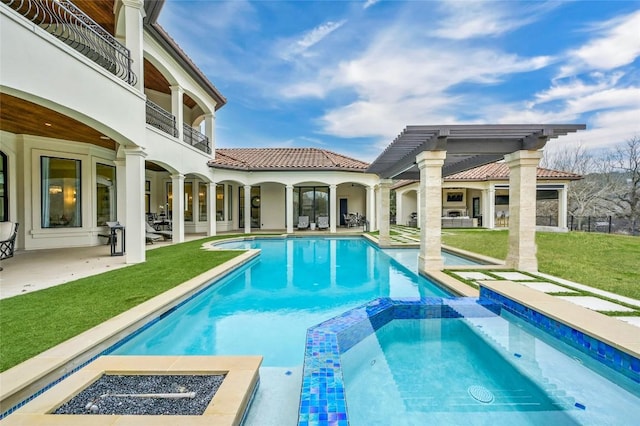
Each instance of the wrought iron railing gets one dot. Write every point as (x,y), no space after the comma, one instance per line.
(63,20)
(196,139)
(161,119)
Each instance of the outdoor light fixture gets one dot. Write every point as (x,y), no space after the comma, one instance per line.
(55,189)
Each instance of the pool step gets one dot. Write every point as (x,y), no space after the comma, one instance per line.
(500,400)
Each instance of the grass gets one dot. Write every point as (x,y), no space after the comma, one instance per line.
(605,261)
(35,322)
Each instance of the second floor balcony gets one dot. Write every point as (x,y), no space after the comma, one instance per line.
(66,22)
(163,120)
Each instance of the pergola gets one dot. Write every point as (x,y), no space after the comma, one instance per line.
(429,153)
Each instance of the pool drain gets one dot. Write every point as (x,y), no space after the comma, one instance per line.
(481,394)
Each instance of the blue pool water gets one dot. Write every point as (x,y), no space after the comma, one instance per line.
(266,306)
(490,369)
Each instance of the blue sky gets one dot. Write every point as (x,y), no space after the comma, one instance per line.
(350,75)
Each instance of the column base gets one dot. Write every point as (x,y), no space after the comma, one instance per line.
(430,263)
(523,264)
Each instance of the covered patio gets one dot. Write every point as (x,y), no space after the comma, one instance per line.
(429,153)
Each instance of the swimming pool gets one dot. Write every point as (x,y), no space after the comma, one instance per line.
(266,306)
(460,361)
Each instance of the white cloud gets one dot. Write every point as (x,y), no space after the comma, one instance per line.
(466,19)
(617,44)
(310,38)
(575,88)
(369,3)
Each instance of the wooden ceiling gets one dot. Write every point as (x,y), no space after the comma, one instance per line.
(100,11)
(23,117)
(154,80)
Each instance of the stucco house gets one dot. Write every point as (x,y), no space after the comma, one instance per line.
(120,127)
(105,119)
(479,197)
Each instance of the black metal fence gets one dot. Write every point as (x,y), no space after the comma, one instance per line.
(606,224)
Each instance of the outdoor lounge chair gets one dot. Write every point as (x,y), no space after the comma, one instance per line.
(303,222)
(8,233)
(167,235)
(323,222)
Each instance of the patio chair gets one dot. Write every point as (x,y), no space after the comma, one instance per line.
(303,222)
(8,233)
(323,222)
(166,235)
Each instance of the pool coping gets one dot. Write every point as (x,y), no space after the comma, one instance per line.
(226,408)
(24,380)
(616,333)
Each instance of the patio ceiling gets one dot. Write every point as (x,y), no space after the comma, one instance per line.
(467,146)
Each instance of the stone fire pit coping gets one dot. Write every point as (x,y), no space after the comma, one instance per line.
(226,408)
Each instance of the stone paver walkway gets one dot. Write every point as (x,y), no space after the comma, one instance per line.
(403,236)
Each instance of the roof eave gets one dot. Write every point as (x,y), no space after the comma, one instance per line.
(152,10)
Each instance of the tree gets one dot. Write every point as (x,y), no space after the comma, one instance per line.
(589,195)
(625,163)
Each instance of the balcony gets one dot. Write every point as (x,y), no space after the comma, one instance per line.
(63,20)
(163,120)
(196,139)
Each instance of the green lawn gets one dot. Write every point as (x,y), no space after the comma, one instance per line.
(34,322)
(605,261)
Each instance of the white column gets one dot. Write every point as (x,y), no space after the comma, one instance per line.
(121,190)
(211,209)
(177,108)
(378,206)
(384,236)
(247,209)
(522,210)
(430,164)
(333,209)
(177,212)
(419,218)
(134,217)
(289,202)
(491,208)
(371,208)
(209,132)
(133,34)
(562,208)
(400,220)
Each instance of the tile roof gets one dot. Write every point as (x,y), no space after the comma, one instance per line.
(496,171)
(500,171)
(256,159)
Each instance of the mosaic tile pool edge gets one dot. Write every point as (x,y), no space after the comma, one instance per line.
(322,398)
(602,352)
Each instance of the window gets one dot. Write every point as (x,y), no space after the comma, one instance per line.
(202,201)
(61,202)
(312,201)
(105,194)
(188,201)
(4,189)
(147,196)
(219,202)
(502,200)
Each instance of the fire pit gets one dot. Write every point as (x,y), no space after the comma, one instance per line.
(185,390)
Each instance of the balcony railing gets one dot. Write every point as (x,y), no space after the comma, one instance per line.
(161,119)
(65,21)
(195,139)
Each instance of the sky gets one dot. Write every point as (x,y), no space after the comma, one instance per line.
(349,76)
